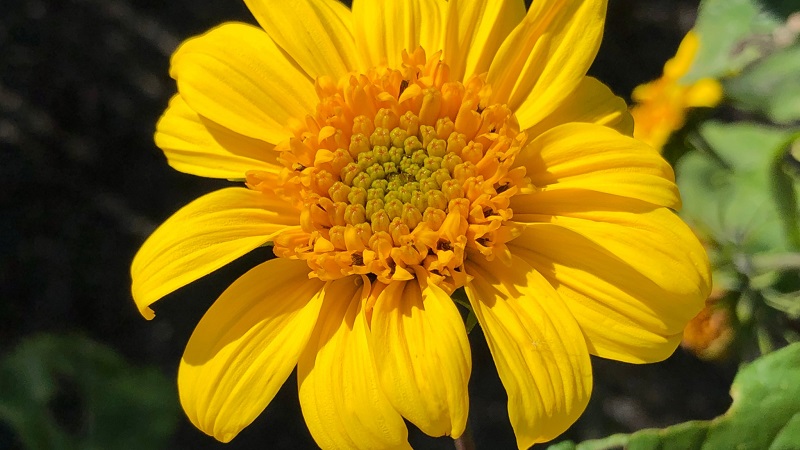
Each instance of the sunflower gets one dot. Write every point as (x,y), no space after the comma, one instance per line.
(392,163)
(662,104)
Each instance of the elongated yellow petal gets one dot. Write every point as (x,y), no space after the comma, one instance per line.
(238,77)
(537,346)
(203,236)
(591,102)
(384,28)
(246,346)
(679,65)
(422,354)
(196,145)
(706,92)
(315,33)
(545,58)
(340,395)
(632,275)
(474,32)
(582,156)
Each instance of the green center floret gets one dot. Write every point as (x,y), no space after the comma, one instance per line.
(395,175)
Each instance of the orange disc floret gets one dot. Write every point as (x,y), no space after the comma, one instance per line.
(400,169)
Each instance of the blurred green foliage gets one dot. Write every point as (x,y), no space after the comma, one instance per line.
(734,33)
(69,392)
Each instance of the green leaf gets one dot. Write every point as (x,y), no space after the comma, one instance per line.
(729,189)
(771,86)
(765,414)
(68,392)
(785,191)
(733,33)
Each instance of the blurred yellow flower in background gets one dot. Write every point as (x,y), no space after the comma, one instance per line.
(393,154)
(710,333)
(662,104)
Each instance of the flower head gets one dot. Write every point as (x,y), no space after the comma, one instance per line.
(392,155)
(662,104)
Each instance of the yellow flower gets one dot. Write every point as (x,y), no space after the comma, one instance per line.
(393,154)
(662,104)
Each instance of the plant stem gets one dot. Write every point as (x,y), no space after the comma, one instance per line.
(465,442)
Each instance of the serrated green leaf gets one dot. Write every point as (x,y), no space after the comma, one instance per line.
(770,86)
(764,414)
(733,33)
(106,403)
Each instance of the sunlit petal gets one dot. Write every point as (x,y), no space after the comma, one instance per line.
(633,275)
(423,357)
(546,56)
(246,346)
(203,236)
(196,145)
(317,34)
(340,394)
(384,28)
(537,346)
(593,158)
(238,77)
(475,30)
(590,102)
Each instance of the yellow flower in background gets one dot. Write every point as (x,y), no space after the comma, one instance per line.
(661,105)
(393,154)
(710,333)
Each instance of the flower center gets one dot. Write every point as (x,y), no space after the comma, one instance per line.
(401,173)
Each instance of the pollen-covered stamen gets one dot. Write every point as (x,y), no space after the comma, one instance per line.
(401,170)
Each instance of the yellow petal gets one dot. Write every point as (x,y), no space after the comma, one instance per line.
(546,56)
(246,346)
(203,236)
(236,76)
(706,92)
(679,65)
(422,354)
(475,29)
(340,395)
(384,28)
(537,346)
(633,275)
(582,156)
(196,145)
(315,33)
(591,102)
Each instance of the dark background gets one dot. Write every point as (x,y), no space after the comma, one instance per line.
(82,185)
